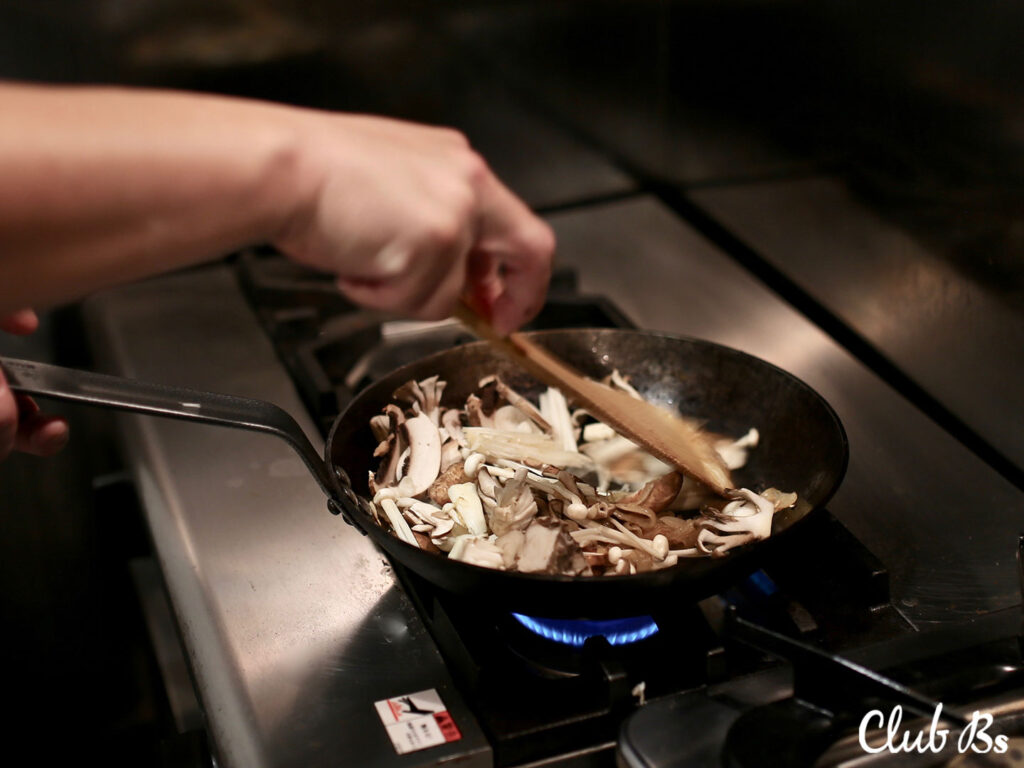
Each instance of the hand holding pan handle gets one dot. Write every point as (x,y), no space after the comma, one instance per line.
(42,380)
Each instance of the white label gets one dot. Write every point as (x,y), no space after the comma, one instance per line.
(417,721)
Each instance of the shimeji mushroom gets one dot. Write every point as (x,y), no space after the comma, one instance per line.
(393,445)
(507,492)
(514,506)
(424,455)
(424,397)
(745,519)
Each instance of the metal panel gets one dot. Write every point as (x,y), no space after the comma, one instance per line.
(943,522)
(291,619)
(961,341)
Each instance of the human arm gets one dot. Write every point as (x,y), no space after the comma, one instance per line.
(105,185)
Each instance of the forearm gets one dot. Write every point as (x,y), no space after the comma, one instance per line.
(99,186)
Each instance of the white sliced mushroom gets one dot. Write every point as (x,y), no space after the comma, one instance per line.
(398,524)
(735,452)
(424,455)
(467,504)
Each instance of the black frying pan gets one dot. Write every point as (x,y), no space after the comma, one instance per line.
(803,448)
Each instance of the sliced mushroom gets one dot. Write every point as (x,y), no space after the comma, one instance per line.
(424,397)
(423,542)
(656,495)
(549,549)
(398,524)
(477,551)
(451,455)
(487,485)
(475,413)
(734,452)
(395,445)
(511,545)
(468,507)
(424,455)
(508,418)
(680,532)
(636,516)
(555,410)
(381,427)
(451,423)
(504,496)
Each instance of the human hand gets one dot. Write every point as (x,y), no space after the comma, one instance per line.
(22,426)
(410,218)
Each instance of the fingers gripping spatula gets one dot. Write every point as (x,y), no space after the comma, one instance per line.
(665,435)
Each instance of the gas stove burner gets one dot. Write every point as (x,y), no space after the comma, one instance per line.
(576,632)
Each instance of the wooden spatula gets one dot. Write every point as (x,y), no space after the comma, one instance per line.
(669,437)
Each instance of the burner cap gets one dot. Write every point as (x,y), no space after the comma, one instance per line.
(575,632)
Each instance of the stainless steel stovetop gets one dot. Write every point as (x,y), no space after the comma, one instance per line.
(295,627)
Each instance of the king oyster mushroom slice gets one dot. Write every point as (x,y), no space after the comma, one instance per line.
(468,507)
(398,524)
(424,455)
(555,410)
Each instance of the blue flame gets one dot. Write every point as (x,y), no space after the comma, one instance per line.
(576,631)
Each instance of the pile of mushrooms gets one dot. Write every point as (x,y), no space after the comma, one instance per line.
(504,483)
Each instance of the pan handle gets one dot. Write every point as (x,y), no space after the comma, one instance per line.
(42,380)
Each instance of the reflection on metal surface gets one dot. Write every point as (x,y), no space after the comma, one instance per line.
(957,337)
(280,604)
(911,493)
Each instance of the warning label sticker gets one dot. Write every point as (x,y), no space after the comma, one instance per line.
(417,721)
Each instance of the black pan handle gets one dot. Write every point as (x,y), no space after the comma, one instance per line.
(125,394)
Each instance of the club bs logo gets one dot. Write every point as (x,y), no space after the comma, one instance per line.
(976,736)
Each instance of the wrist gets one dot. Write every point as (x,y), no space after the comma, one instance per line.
(296,178)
